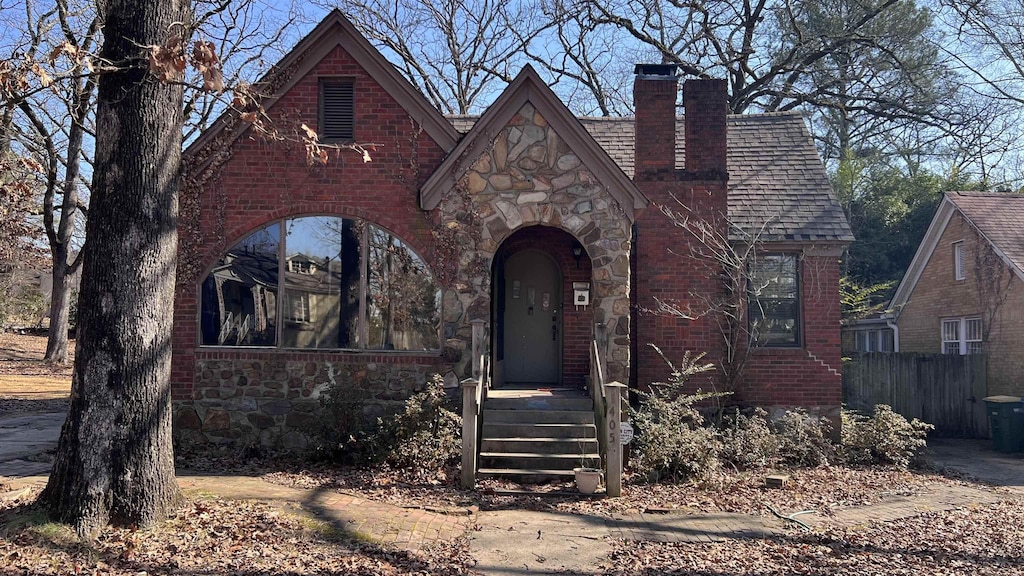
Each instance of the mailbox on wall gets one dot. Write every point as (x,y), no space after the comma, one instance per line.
(581,294)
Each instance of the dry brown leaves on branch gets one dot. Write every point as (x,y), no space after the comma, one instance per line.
(168,62)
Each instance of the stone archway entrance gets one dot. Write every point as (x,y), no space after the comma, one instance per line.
(539,337)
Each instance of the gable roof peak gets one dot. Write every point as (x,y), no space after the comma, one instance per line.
(994,216)
(332,31)
(528,86)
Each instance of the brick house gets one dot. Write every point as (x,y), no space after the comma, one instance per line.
(539,227)
(962,293)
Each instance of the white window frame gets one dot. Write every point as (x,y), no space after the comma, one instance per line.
(873,340)
(297,306)
(959,265)
(962,335)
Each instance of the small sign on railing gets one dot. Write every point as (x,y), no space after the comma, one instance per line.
(625,433)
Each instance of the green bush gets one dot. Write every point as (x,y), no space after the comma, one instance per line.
(421,440)
(804,439)
(748,441)
(884,437)
(347,434)
(671,439)
(426,437)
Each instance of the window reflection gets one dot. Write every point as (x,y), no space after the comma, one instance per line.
(240,293)
(774,303)
(402,298)
(329,265)
(321,283)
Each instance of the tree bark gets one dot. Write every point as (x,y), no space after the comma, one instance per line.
(114,461)
(60,311)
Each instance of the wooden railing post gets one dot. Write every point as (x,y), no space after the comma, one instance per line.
(470,413)
(479,345)
(613,461)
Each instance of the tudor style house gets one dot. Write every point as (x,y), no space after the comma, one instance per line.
(963,291)
(533,229)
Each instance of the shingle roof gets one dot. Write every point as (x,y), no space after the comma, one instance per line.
(775,174)
(998,217)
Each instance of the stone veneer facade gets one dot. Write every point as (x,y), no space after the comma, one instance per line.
(275,401)
(529,177)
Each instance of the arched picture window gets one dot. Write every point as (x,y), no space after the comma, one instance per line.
(347,285)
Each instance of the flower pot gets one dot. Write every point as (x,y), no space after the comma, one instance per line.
(587,479)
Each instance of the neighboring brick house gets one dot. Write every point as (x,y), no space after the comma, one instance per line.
(293,278)
(962,293)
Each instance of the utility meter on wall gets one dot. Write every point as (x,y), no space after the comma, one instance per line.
(581,294)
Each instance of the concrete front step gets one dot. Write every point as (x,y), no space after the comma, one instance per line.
(527,474)
(539,445)
(538,416)
(579,404)
(552,430)
(534,461)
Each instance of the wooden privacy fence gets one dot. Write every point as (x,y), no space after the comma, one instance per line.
(942,389)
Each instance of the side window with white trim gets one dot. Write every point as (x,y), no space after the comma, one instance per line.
(959,262)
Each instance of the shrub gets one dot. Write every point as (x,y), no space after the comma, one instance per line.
(426,437)
(748,441)
(804,439)
(421,440)
(346,435)
(885,437)
(671,440)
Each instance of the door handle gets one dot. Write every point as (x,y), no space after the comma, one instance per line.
(554,333)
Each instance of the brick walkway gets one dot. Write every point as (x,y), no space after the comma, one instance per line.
(897,508)
(405,528)
(689,527)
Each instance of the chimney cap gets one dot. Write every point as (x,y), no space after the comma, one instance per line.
(657,71)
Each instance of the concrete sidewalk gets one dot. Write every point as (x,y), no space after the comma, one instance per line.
(28,435)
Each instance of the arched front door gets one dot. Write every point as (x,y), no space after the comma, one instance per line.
(531,320)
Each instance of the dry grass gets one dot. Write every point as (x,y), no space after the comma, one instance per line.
(27,383)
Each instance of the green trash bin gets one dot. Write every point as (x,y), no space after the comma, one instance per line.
(1006,418)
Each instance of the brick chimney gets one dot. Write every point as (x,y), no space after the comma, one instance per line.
(654,97)
(705,107)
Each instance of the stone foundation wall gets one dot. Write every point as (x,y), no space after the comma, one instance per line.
(277,403)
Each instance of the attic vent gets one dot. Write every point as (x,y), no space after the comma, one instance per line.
(337,110)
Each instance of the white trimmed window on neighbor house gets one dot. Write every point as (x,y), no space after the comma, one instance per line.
(961,335)
(959,262)
(879,340)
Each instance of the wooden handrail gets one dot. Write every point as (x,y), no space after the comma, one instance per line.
(474,393)
(608,401)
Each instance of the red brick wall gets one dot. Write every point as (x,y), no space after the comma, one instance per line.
(655,102)
(706,109)
(577,326)
(263,181)
(811,374)
(671,265)
(667,269)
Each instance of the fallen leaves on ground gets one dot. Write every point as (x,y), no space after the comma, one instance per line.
(823,489)
(27,383)
(210,537)
(976,541)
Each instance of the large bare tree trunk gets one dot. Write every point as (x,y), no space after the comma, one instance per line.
(115,462)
